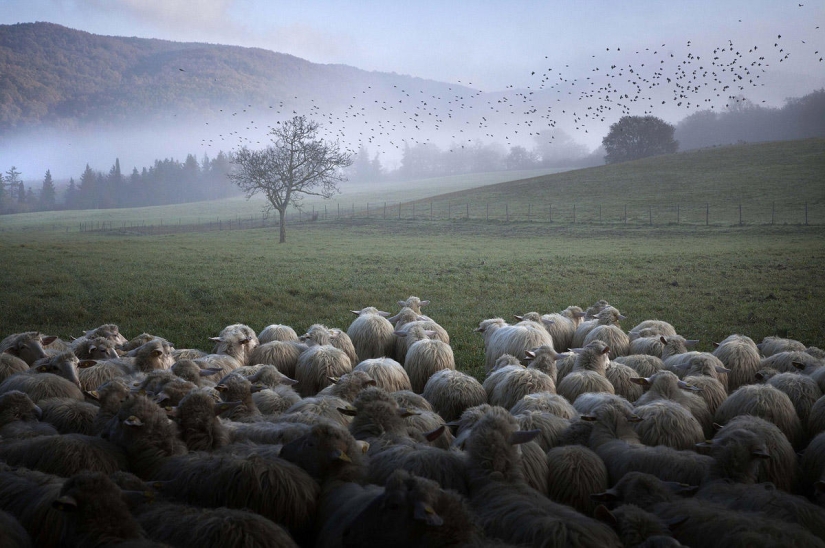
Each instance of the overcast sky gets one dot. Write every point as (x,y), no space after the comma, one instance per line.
(490,43)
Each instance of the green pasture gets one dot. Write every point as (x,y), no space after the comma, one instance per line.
(708,282)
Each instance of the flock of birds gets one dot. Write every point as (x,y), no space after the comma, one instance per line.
(385,116)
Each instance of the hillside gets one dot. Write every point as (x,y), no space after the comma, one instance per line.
(783,175)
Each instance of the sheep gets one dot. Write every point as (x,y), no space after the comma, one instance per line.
(110,396)
(198,424)
(20,417)
(27,346)
(773,345)
(63,455)
(546,402)
(816,418)
(236,340)
(252,479)
(501,338)
(607,316)
(595,308)
(813,467)
(620,376)
(282,354)
(562,326)
(190,371)
(277,332)
(413,512)
(51,377)
(817,353)
(146,435)
(651,345)
(402,344)
(237,388)
(514,384)
(372,334)
(12,533)
(275,401)
(550,426)
(543,358)
(28,495)
(504,504)
(411,400)
(92,374)
(739,354)
(766,402)
(413,303)
(780,468)
(97,348)
(637,527)
(108,331)
(425,356)
(588,374)
(574,473)
(657,327)
(314,409)
(791,362)
(189,526)
(348,386)
(316,365)
(704,523)
(96,513)
(674,347)
(707,372)
(801,389)
(9,365)
(665,385)
(818,376)
(619,446)
(387,374)
(613,337)
(70,416)
(668,423)
(445,467)
(134,342)
(450,392)
(644,364)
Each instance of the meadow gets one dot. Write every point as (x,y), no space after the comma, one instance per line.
(708,281)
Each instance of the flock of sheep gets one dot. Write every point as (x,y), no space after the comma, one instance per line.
(581,434)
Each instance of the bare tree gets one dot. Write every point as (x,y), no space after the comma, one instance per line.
(299,164)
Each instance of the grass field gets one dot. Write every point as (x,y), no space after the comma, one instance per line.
(709,282)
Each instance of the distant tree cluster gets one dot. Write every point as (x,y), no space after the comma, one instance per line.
(167,181)
(635,137)
(744,121)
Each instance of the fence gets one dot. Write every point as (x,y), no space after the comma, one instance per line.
(617,215)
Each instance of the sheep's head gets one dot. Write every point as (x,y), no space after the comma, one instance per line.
(17,406)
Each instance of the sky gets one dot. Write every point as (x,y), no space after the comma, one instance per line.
(495,46)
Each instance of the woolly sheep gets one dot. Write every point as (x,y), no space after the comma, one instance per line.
(766,402)
(200,429)
(607,316)
(425,356)
(816,418)
(450,392)
(413,303)
(274,401)
(410,400)
(316,365)
(613,337)
(348,386)
(659,327)
(20,417)
(237,388)
(620,376)
(28,495)
(550,427)
(651,345)
(9,365)
(562,326)
(588,374)
(645,365)
(818,377)
(108,331)
(402,344)
(813,467)
(92,374)
(313,409)
(97,348)
(27,346)
(546,402)
(501,338)
(445,467)
(516,383)
(372,334)
(190,371)
(595,308)
(282,354)
(637,527)
(543,358)
(739,354)
(773,345)
(668,423)
(505,506)
(70,416)
(58,379)
(801,389)
(574,473)
(236,340)
(387,374)
(665,385)
(63,455)
(12,533)
(791,362)
(277,332)
(674,347)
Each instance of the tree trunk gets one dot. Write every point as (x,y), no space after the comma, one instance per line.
(282,224)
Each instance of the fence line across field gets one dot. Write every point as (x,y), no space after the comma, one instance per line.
(557,213)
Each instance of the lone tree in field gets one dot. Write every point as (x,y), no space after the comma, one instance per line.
(299,164)
(634,137)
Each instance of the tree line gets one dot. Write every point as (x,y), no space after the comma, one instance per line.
(167,181)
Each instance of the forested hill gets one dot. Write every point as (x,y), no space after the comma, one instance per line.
(56,76)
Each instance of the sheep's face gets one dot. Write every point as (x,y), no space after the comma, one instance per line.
(321,451)
(17,406)
(29,347)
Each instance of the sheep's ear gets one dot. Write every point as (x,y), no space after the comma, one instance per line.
(721,369)
(244,341)
(577,350)
(662,339)
(523,436)
(588,418)
(384,314)
(424,303)
(156,353)
(690,343)
(798,365)
(48,340)
(171,411)
(634,418)
(529,355)
(356,312)
(83,364)
(363,445)
(402,303)
(208,372)
(133,421)
(704,446)
(337,454)
(579,314)
(674,523)
(605,496)
(257,387)
(404,412)
(66,503)
(603,514)
(215,339)
(519,318)
(433,435)
(759,376)
(333,380)
(717,426)
(424,512)
(92,394)
(401,333)
(224,406)
(430,333)
(760,453)
(687,386)
(640,380)
(716,345)
(622,317)
(290,382)
(347,412)
(221,388)
(371,382)
(606,350)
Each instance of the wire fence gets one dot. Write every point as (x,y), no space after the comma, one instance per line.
(616,215)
